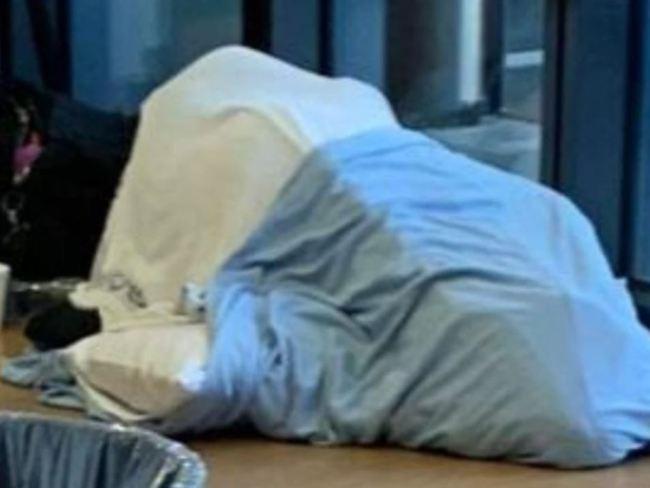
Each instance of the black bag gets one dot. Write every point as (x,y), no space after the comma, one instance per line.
(51,222)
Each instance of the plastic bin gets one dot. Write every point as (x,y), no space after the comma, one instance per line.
(39,452)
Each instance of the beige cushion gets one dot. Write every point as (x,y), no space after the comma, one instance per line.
(141,373)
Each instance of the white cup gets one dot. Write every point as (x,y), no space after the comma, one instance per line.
(5,275)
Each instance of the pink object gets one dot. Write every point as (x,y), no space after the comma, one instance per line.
(25,156)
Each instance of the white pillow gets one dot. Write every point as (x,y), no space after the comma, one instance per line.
(144,373)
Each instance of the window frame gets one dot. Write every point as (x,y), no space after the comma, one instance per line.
(597,122)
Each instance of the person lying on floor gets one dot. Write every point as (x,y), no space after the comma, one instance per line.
(363,284)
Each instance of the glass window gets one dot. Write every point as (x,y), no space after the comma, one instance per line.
(640,225)
(124,48)
(120,50)
(469,73)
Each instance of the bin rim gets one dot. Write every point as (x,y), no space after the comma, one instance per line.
(191,471)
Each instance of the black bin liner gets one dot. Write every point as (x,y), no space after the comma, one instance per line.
(38,452)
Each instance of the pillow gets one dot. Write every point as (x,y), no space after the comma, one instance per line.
(143,373)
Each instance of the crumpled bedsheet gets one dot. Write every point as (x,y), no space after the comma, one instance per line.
(398,292)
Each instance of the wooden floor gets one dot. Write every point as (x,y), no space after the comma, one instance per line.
(253,463)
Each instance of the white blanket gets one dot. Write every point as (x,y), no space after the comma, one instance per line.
(215,146)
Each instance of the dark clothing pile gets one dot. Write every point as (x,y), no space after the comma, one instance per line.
(60,164)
